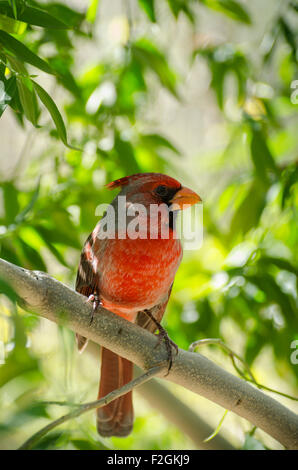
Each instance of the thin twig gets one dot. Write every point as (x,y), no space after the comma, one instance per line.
(234,355)
(30,443)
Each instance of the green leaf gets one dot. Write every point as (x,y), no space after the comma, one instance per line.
(13,4)
(11,25)
(126,155)
(223,60)
(7,91)
(34,16)
(71,18)
(280,263)
(84,444)
(92,11)
(261,156)
(216,431)
(10,197)
(26,95)
(249,211)
(54,112)
(51,441)
(178,6)
(148,7)
(28,99)
(289,36)
(33,260)
(158,141)
(150,57)
(47,237)
(22,52)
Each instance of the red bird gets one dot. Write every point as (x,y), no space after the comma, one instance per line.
(132,277)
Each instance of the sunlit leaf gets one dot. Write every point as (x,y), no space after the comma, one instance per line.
(92,11)
(28,99)
(22,52)
(11,25)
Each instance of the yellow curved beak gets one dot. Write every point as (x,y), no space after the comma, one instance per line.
(184,198)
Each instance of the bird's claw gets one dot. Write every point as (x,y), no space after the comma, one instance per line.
(163,335)
(94,299)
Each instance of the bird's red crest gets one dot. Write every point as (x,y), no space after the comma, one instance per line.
(145,177)
(118,183)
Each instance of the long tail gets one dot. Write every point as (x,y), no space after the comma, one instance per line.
(116,418)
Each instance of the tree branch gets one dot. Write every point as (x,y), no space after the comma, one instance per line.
(40,293)
(141,379)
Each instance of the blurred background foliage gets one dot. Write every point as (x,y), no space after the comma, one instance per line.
(202,90)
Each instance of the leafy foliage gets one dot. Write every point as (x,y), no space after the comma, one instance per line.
(96,122)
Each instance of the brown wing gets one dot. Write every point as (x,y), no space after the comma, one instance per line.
(86,281)
(157,311)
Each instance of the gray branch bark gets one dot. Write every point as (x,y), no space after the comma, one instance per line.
(43,295)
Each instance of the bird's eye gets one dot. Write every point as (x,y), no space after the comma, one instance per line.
(161,190)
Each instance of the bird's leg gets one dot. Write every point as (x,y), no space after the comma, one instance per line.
(163,335)
(94,299)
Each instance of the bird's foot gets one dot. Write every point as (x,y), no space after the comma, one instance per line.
(94,299)
(163,336)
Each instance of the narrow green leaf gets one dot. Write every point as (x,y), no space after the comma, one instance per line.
(217,428)
(23,53)
(249,211)
(178,6)
(13,5)
(34,16)
(150,57)
(54,112)
(11,205)
(126,155)
(148,7)
(28,99)
(281,263)
(11,25)
(289,35)
(71,18)
(92,11)
(261,156)
(158,141)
